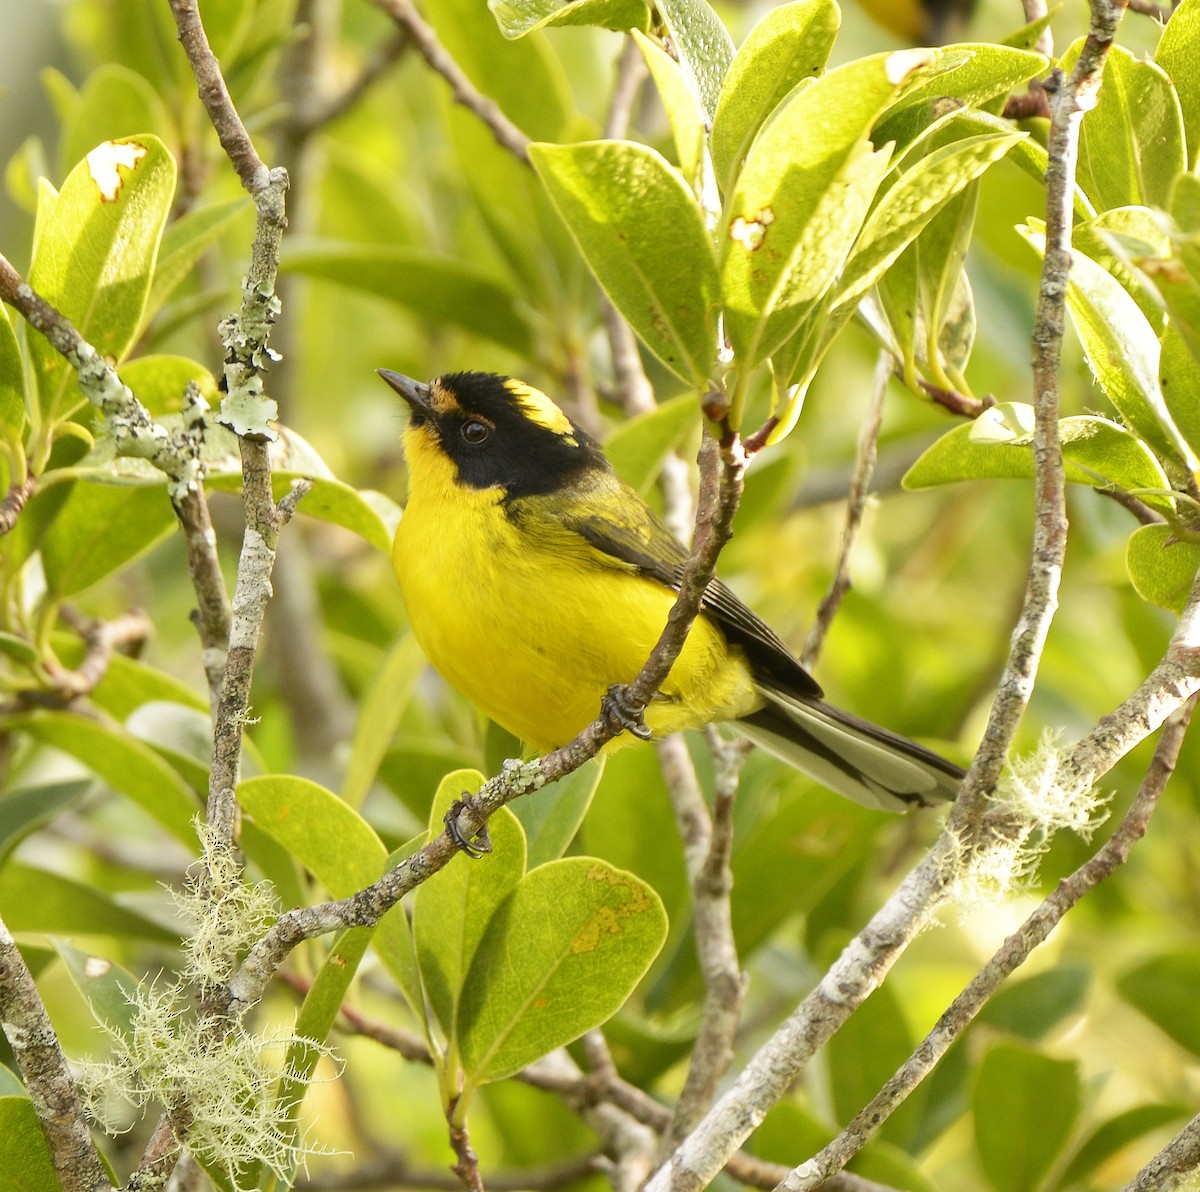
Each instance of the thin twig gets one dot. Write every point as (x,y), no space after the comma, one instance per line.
(14,501)
(1177,1160)
(100,639)
(1015,950)
(632,73)
(46,1075)
(856,505)
(508,135)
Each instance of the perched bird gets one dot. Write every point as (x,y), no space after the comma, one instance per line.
(535,579)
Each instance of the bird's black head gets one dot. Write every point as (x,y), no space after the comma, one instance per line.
(497,431)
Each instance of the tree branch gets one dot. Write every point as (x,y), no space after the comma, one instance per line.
(508,135)
(46,1075)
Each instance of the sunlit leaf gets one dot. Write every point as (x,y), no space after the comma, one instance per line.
(518,17)
(792,42)
(682,108)
(1162,568)
(639,228)
(703,44)
(1176,54)
(561,955)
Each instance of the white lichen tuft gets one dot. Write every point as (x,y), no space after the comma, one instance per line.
(226,913)
(224,1082)
(1035,799)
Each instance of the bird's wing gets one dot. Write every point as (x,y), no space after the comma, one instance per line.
(616,523)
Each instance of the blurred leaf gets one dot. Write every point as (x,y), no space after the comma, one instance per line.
(24,810)
(1176,54)
(703,46)
(115,102)
(789,44)
(24,1156)
(552,816)
(1032,1008)
(95,251)
(637,448)
(122,761)
(12,381)
(39,900)
(453,909)
(918,195)
(108,989)
(183,244)
(518,17)
(436,289)
(801,199)
(640,230)
(561,955)
(1122,350)
(1164,990)
(1025,1106)
(158,382)
(1131,143)
(128,683)
(682,108)
(1179,379)
(1113,1135)
(1161,567)
(999,445)
(872,1043)
(99,529)
(379,712)
(1115,237)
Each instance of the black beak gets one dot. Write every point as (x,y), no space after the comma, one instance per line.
(418,395)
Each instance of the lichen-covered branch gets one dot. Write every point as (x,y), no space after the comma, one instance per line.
(47,1077)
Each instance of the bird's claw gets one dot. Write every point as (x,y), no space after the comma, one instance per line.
(474,845)
(622,716)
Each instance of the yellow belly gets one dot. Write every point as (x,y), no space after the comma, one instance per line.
(534,638)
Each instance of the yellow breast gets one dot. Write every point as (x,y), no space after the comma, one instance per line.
(533,633)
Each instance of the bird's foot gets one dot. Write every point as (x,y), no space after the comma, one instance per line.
(474,844)
(621,715)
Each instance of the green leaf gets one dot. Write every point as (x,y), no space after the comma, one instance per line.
(159,381)
(438,289)
(39,900)
(99,529)
(328,837)
(562,953)
(998,445)
(920,192)
(12,381)
(1176,54)
(24,1156)
(1131,143)
(1025,1107)
(452,910)
(183,244)
(790,43)
(379,713)
(552,816)
(703,45)
(519,17)
(95,251)
(1179,379)
(1114,1135)
(801,199)
(682,108)
(115,102)
(1162,568)
(643,235)
(125,763)
(23,811)
(1164,990)
(1032,1008)
(108,989)
(1122,350)
(637,448)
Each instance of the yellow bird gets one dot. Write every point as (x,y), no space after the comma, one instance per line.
(535,579)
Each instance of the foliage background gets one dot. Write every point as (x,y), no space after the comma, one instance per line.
(416,185)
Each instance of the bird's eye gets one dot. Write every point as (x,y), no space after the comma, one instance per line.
(475,432)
